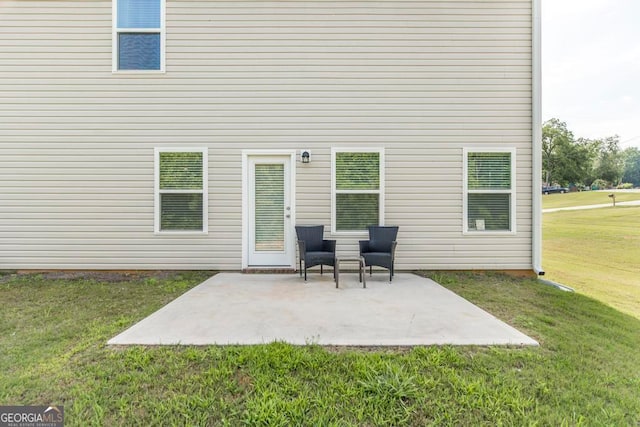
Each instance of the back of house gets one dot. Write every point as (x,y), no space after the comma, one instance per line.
(168,134)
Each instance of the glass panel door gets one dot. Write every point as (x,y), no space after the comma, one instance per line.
(269,207)
(270,240)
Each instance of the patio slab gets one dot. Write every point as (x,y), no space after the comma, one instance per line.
(234,308)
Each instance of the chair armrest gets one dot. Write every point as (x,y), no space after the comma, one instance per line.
(329,246)
(393,249)
(302,248)
(364,246)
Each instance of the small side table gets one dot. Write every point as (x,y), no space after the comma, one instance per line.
(361,268)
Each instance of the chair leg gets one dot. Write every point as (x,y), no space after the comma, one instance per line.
(300,269)
(321,269)
(390,274)
(371,270)
(305,271)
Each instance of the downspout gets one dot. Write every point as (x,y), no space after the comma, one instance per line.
(536,134)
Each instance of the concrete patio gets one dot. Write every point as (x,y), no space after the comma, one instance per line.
(234,308)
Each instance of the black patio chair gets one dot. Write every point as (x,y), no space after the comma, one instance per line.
(380,249)
(314,250)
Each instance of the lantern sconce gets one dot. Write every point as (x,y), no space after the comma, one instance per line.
(305,156)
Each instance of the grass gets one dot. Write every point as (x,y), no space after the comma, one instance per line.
(584,198)
(53,334)
(596,252)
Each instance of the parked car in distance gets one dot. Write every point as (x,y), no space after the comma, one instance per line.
(554,189)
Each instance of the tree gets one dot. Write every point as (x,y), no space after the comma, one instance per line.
(575,161)
(631,170)
(555,138)
(609,162)
(564,160)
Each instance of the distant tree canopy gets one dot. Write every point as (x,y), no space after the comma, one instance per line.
(631,166)
(567,160)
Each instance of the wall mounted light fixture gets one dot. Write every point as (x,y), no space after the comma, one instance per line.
(305,156)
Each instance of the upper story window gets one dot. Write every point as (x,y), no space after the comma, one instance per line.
(358,188)
(138,35)
(489,193)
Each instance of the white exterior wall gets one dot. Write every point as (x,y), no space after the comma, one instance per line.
(423,79)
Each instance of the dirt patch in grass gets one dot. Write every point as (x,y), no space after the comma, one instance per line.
(103,276)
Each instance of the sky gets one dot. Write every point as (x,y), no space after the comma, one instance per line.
(591,67)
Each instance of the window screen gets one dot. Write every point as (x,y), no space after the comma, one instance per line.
(357,190)
(181,191)
(138,37)
(489,191)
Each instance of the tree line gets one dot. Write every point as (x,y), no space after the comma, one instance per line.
(584,162)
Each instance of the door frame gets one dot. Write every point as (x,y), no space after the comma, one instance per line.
(246,154)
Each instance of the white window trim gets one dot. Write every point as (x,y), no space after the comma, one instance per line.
(204,191)
(380,191)
(466,191)
(114,40)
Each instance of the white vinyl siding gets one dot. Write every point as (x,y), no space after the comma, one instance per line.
(138,35)
(357,189)
(423,79)
(181,190)
(489,190)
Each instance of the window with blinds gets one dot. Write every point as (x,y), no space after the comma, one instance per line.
(138,35)
(269,207)
(489,190)
(357,201)
(181,190)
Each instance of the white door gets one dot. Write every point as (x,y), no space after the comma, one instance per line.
(270,228)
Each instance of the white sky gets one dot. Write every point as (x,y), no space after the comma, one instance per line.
(591,67)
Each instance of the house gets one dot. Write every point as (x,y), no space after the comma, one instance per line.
(167,134)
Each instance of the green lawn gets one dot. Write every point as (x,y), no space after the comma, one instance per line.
(597,252)
(52,351)
(583,198)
